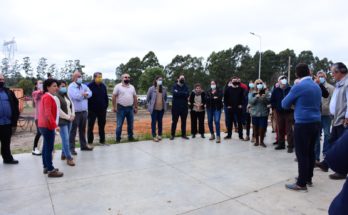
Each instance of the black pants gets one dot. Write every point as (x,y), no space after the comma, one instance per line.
(37,136)
(305,137)
(197,116)
(92,116)
(336,133)
(247,123)
(5,138)
(79,122)
(175,117)
(235,112)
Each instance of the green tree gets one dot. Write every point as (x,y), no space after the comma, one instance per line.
(134,68)
(27,86)
(41,68)
(150,60)
(269,66)
(5,67)
(26,67)
(147,78)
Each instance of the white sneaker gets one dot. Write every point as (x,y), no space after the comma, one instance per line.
(36,151)
(159,137)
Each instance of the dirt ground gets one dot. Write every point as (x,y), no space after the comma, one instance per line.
(22,140)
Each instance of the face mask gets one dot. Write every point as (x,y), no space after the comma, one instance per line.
(79,81)
(182,81)
(259,86)
(238,83)
(213,86)
(235,83)
(159,82)
(251,85)
(284,81)
(230,84)
(40,86)
(126,81)
(62,90)
(2,84)
(322,80)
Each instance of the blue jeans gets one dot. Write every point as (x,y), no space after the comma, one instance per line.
(47,149)
(260,121)
(156,117)
(325,125)
(122,113)
(214,115)
(64,134)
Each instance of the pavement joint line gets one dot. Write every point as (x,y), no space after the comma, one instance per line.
(49,193)
(22,187)
(251,208)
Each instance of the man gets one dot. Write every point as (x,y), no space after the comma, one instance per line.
(337,158)
(284,117)
(234,99)
(125,104)
(338,108)
(325,115)
(306,96)
(79,94)
(180,94)
(97,107)
(9,113)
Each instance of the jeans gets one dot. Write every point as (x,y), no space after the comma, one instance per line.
(336,133)
(175,117)
(64,134)
(5,139)
(79,122)
(305,135)
(325,126)
(122,113)
(92,116)
(214,115)
(260,121)
(156,117)
(47,149)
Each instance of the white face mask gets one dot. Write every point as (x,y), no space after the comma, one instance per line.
(40,86)
(230,84)
(213,86)
(259,86)
(284,81)
(159,82)
(79,81)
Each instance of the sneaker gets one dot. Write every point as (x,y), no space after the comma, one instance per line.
(295,187)
(193,136)
(309,183)
(247,138)
(337,176)
(212,137)
(132,139)
(36,151)
(218,139)
(118,141)
(159,137)
(70,162)
(73,152)
(227,137)
(13,161)
(155,139)
(45,171)
(263,145)
(87,148)
(202,135)
(185,137)
(54,174)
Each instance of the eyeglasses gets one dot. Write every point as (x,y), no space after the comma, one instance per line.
(126,77)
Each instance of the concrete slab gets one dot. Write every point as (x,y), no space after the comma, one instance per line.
(196,176)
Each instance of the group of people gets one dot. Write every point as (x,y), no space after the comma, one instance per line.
(300,113)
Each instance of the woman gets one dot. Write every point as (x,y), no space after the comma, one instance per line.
(214,106)
(197,107)
(156,103)
(258,100)
(66,116)
(47,122)
(36,95)
(247,114)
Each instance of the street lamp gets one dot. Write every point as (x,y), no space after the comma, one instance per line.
(256,35)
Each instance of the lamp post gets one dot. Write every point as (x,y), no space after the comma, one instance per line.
(258,36)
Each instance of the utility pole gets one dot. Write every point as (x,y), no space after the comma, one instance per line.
(258,36)
(289,67)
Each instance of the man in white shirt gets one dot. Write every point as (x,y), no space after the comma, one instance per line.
(125,104)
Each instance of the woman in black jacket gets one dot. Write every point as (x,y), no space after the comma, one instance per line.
(214,106)
(197,107)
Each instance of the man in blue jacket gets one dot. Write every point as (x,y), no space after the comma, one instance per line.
(337,158)
(97,107)
(306,96)
(180,106)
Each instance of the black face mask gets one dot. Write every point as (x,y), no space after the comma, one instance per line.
(235,83)
(182,81)
(238,83)
(126,81)
(2,84)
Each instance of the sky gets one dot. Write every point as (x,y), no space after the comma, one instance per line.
(105,33)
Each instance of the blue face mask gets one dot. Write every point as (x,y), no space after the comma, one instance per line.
(322,80)
(251,85)
(62,90)
(259,86)
(79,81)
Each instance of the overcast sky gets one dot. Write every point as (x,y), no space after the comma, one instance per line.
(105,33)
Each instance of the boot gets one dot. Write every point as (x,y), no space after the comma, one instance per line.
(262,132)
(256,136)
(218,139)
(212,137)
(253,139)
(70,162)
(281,145)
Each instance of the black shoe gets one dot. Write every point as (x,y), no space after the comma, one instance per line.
(73,152)
(241,138)
(132,139)
(323,167)
(118,141)
(171,138)
(275,143)
(185,137)
(290,150)
(202,135)
(295,187)
(227,137)
(45,171)
(11,162)
(193,136)
(279,147)
(87,149)
(337,176)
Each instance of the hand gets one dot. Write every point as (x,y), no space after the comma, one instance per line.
(345,123)
(72,118)
(257,96)
(240,106)
(229,107)
(135,110)
(57,129)
(114,110)
(215,97)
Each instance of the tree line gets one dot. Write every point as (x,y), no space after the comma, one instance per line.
(219,66)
